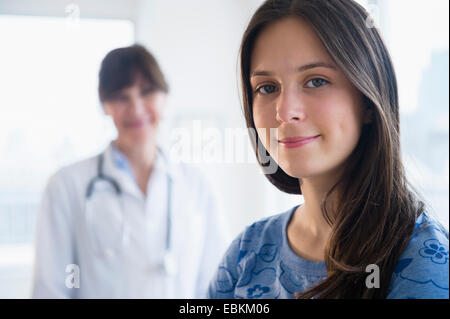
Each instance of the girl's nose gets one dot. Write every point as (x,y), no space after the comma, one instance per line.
(290,108)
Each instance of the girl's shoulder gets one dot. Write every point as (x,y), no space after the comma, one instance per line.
(422,270)
(250,258)
(263,238)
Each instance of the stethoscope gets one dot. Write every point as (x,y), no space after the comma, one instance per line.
(169,262)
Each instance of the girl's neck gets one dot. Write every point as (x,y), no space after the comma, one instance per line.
(314,191)
(308,231)
(310,213)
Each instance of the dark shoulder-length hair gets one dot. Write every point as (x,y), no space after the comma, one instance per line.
(121,67)
(374,215)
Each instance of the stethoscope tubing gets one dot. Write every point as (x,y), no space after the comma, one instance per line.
(118,190)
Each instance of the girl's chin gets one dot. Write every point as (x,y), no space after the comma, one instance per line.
(300,171)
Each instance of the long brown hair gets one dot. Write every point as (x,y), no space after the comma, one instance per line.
(374,216)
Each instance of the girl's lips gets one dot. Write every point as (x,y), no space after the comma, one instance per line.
(298,141)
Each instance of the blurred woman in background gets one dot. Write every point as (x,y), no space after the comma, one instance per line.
(128,223)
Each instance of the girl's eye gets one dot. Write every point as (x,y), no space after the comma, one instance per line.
(266,89)
(316,83)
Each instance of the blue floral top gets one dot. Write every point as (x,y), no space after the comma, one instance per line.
(260,264)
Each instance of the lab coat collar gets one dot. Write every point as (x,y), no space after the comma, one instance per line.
(117,166)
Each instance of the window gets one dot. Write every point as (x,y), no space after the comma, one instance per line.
(417,35)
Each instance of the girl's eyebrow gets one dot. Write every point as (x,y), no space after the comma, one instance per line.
(299,69)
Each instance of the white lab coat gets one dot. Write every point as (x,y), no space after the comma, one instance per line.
(65,234)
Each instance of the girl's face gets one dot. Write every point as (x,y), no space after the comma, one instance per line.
(298,89)
(136,112)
